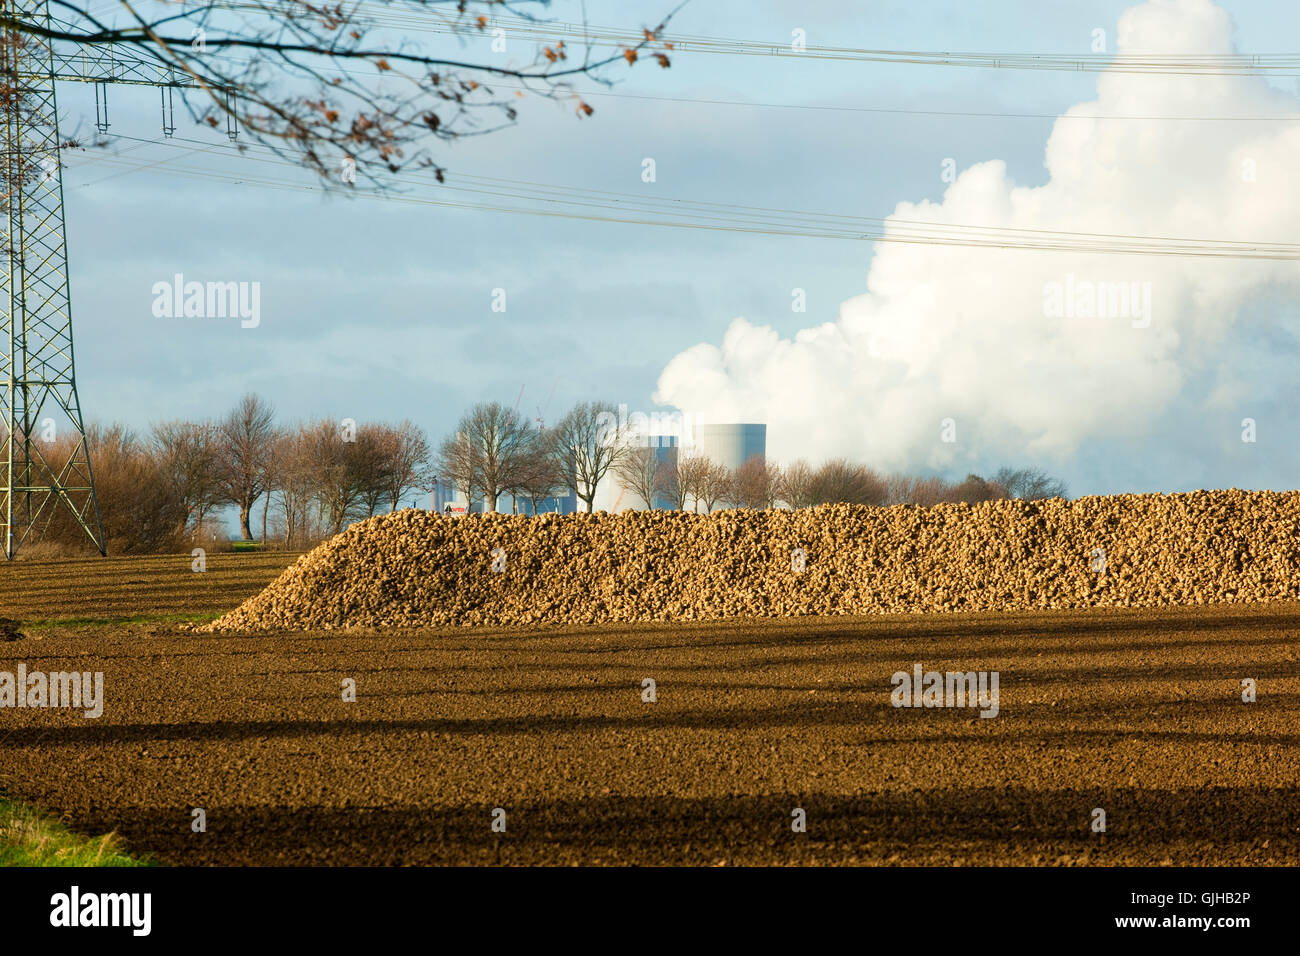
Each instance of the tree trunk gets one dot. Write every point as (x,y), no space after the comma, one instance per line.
(244,508)
(265,506)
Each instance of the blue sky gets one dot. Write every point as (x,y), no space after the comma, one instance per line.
(374,309)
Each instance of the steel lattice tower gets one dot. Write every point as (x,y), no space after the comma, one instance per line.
(36,367)
(45,471)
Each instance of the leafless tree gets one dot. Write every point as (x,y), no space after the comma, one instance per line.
(641,469)
(246,437)
(795,484)
(488,451)
(342,466)
(899,489)
(930,491)
(675,480)
(713,484)
(975,489)
(296,485)
(585,445)
(406,449)
(458,465)
(369,460)
(839,480)
(189,457)
(141,509)
(380,84)
(270,478)
(1030,484)
(755,484)
(688,479)
(730,494)
(538,478)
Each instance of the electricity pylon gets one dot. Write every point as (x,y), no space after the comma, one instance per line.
(44,470)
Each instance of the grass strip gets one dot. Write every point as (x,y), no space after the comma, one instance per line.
(29,837)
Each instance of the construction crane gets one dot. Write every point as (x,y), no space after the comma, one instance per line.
(42,474)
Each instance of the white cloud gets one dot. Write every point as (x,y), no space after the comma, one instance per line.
(962,333)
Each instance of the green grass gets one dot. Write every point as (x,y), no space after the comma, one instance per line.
(31,838)
(238,546)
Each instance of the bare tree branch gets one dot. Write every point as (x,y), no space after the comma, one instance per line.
(287,72)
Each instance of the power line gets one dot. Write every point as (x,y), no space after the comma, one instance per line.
(945,113)
(830,108)
(553,31)
(586,204)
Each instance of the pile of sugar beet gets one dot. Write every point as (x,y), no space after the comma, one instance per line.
(414,568)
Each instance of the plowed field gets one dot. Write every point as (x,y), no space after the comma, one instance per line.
(1136,712)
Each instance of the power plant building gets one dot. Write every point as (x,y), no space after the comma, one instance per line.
(621,498)
(730,445)
(447,499)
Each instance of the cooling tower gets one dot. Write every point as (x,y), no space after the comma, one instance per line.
(730,445)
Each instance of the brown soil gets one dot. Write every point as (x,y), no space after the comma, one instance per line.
(1138,712)
(156,585)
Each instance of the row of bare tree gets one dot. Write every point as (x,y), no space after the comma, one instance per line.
(293,485)
(495,452)
(297,483)
(671,481)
